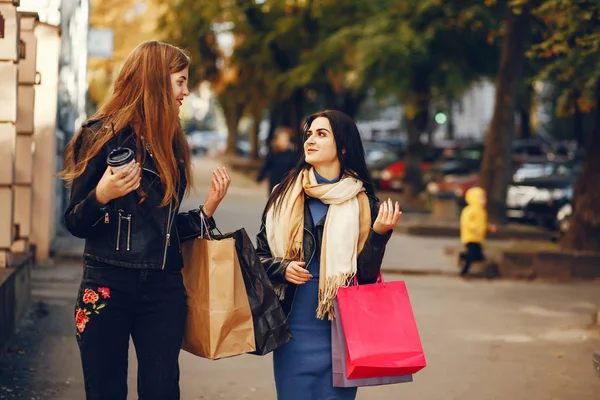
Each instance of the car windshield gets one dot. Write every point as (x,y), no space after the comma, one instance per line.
(533,170)
(568,169)
(474,153)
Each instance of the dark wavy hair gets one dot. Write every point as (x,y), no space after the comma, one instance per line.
(352,161)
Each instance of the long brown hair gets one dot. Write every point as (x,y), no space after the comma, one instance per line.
(142,95)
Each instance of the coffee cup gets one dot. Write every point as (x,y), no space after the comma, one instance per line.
(119,158)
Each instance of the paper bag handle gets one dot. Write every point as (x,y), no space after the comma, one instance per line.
(204,227)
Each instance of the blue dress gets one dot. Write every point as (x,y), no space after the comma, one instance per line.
(303,366)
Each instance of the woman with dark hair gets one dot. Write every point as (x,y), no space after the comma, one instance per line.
(321,227)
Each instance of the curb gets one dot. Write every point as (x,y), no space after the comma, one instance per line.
(419,272)
(431,230)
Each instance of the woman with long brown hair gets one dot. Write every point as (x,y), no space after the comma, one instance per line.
(132,284)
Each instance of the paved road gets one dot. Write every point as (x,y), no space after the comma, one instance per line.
(483,340)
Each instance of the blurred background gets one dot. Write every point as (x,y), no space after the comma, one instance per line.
(447,94)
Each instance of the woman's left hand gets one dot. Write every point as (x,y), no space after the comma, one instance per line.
(218,190)
(388,217)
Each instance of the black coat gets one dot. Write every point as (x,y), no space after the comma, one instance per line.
(368,262)
(277,165)
(124,232)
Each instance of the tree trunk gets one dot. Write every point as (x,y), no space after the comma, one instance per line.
(524,107)
(578,129)
(430,131)
(584,228)
(450,121)
(292,114)
(496,164)
(254,131)
(417,115)
(413,176)
(352,102)
(274,118)
(297,101)
(233,113)
(525,123)
(417,124)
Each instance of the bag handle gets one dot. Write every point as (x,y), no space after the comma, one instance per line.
(204,227)
(379,279)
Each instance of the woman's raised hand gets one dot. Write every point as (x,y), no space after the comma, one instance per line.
(218,189)
(388,217)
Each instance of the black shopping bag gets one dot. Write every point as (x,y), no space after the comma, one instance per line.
(271,329)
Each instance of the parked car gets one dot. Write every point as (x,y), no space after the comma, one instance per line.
(453,185)
(460,172)
(380,153)
(463,161)
(243,148)
(531,147)
(537,168)
(391,176)
(544,200)
(203,142)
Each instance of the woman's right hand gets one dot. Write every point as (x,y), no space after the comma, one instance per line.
(296,273)
(112,186)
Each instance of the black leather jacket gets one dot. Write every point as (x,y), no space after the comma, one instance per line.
(124,232)
(368,262)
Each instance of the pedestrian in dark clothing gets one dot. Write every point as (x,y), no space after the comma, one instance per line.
(280,160)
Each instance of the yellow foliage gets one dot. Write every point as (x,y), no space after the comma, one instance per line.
(132,22)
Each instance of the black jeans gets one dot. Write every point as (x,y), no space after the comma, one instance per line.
(115,303)
(474,253)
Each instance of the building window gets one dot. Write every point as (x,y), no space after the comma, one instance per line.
(1,26)
(22,49)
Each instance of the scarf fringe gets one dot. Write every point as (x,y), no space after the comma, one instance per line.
(327,295)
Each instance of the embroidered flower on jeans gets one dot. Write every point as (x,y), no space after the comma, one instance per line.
(91,305)
(81,318)
(104,292)
(90,297)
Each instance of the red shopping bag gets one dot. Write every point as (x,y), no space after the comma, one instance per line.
(381,333)
(338,360)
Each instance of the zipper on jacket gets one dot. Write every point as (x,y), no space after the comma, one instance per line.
(169,223)
(119,229)
(152,172)
(128,218)
(168,237)
(105,217)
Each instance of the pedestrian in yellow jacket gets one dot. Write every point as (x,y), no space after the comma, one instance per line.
(473,227)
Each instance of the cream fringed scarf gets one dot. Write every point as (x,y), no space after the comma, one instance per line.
(347,226)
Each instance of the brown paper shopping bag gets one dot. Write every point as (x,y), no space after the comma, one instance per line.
(219,321)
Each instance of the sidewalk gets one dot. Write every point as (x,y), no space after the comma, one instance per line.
(523,333)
